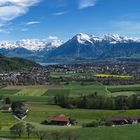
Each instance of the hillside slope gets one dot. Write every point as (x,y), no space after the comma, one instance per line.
(8,64)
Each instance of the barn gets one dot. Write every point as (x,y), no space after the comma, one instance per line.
(59,120)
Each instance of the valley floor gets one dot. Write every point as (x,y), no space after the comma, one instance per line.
(39,110)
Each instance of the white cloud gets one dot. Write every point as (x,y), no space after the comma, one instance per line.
(86,3)
(10,9)
(25,3)
(52,37)
(32,22)
(59,13)
(8,13)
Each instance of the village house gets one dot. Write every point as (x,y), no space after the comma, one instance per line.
(133,120)
(19,110)
(59,120)
(116,120)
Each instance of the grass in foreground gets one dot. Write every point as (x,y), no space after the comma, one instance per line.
(130,132)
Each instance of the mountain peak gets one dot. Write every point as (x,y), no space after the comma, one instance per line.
(113,37)
(83,38)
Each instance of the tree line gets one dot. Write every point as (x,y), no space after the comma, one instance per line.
(96,101)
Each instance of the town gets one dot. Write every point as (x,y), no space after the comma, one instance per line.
(106,72)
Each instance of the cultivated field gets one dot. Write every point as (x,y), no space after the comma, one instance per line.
(124,90)
(31,92)
(38,98)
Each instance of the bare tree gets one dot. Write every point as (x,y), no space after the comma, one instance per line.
(29,129)
(17,129)
(41,134)
(56,135)
(71,135)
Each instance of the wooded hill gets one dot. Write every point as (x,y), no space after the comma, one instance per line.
(9,64)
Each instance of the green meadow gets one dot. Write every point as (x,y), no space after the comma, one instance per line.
(39,110)
(127,90)
(8,92)
(77,88)
(32,92)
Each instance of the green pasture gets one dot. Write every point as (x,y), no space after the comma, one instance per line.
(102,133)
(31,92)
(8,92)
(78,88)
(127,90)
(69,74)
(39,110)
(29,98)
(72,89)
(123,88)
(53,92)
(110,133)
(42,112)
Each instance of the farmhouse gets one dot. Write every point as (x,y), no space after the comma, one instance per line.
(121,120)
(133,120)
(59,120)
(117,120)
(19,109)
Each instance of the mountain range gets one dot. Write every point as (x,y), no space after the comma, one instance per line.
(79,46)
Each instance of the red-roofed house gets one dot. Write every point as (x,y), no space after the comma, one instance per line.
(59,120)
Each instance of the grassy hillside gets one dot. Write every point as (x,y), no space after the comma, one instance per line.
(8,64)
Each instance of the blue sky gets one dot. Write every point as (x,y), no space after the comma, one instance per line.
(21,19)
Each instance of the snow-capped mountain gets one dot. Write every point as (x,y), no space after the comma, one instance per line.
(7,45)
(31,44)
(52,44)
(81,45)
(115,38)
(110,38)
(82,38)
(89,46)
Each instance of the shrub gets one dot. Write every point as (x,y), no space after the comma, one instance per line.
(108,124)
(94,123)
